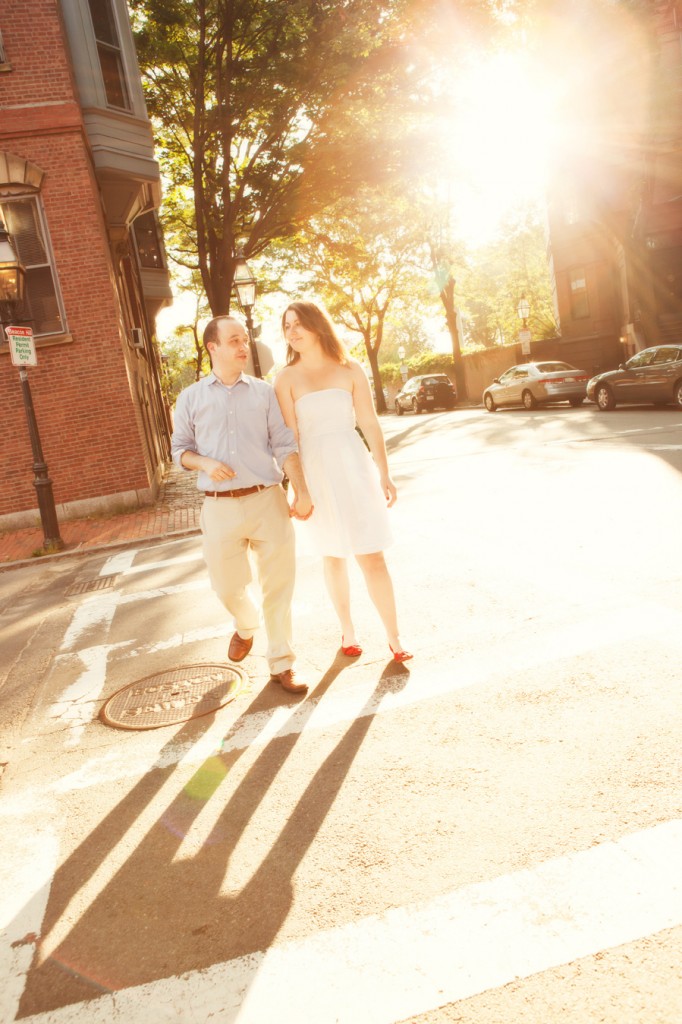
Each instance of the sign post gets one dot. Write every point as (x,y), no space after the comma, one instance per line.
(23,354)
(524,338)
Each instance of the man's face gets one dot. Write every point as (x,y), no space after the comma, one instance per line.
(230,354)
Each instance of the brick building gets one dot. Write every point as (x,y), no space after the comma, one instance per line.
(79,188)
(615,210)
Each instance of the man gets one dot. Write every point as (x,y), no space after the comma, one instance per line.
(229,427)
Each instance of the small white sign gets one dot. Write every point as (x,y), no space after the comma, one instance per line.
(21,346)
(524,338)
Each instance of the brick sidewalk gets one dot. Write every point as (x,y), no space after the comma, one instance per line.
(176,510)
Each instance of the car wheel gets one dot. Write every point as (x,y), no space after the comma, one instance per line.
(575,402)
(604,398)
(398,409)
(677,394)
(529,400)
(415,406)
(489,403)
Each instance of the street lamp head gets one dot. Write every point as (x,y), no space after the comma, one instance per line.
(244,283)
(401,352)
(12,273)
(523,308)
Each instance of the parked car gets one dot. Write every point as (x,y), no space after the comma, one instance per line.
(429,391)
(534,384)
(653,375)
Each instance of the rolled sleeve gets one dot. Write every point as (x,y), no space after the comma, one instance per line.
(282,438)
(183,438)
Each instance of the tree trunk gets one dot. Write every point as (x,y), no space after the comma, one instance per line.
(199,352)
(448,299)
(373,356)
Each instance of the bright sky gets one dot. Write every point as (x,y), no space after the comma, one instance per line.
(505,127)
(500,143)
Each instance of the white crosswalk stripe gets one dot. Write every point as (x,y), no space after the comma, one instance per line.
(414,958)
(377,969)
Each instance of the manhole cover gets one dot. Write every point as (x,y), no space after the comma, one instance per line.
(87,586)
(171,697)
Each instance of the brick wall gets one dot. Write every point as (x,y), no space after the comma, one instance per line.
(35,48)
(81,390)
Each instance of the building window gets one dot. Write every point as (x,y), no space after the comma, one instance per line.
(22,217)
(580,307)
(109,52)
(148,241)
(4,63)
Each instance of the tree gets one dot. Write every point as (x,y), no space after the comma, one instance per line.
(496,276)
(185,359)
(443,272)
(406,325)
(362,256)
(259,109)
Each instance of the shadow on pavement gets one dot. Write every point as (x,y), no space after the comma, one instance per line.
(159,915)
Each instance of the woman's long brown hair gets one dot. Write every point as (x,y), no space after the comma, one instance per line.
(315,319)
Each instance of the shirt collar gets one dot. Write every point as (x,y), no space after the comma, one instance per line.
(243,378)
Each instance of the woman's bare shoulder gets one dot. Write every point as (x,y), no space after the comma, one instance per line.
(285,376)
(355,367)
(357,371)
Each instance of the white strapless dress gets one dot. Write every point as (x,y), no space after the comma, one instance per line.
(350,517)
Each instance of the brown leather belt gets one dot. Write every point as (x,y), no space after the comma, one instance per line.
(240,492)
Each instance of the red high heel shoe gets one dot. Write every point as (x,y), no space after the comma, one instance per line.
(352,651)
(400,656)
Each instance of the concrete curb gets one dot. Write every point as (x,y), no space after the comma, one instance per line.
(116,544)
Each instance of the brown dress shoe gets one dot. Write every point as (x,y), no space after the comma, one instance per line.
(239,647)
(286,680)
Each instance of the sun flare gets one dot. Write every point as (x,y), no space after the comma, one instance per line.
(500,143)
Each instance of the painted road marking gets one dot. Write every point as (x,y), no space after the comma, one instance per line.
(356,699)
(122,563)
(119,562)
(423,955)
(26,872)
(135,570)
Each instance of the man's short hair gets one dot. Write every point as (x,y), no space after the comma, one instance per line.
(212,330)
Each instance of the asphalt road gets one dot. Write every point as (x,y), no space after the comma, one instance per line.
(493,836)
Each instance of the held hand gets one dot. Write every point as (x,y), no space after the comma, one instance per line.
(390,492)
(301,507)
(218,471)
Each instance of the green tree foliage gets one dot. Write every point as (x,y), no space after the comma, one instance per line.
(360,257)
(495,277)
(179,362)
(185,359)
(406,325)
(266,112)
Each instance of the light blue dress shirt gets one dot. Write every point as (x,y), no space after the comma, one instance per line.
(240,425)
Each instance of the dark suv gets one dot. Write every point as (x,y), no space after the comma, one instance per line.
(430,391)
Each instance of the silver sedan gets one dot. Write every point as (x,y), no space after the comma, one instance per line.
(534,384)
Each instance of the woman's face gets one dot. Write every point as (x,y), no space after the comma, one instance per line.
(298,337)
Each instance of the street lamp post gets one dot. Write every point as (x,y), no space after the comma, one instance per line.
(523,310)
(12,281)
(245,287)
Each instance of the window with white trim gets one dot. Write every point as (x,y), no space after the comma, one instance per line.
(4,63)
(24,221)
(580,306)
(109,53)
(148,241)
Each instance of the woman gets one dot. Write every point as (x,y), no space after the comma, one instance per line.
(322,393)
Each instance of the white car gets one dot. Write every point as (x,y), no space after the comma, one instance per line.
(534,384)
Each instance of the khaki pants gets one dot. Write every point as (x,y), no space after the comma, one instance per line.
(258,523)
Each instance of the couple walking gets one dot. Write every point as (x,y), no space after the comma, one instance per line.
(241,435)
